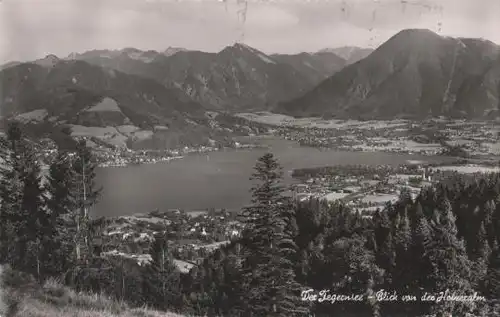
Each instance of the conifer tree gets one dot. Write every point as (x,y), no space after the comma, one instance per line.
(355,272)
(387,257)
(86,195)
(26,230)
(481,258)
(162,279)
(382,227)
(61,205)
(489,211)
(39,230)
(492,280)
(421,238)
(11,191)
(403,235)
(269,281)
(403,256)
(405,197)
(233,277)
(59,186)
(450,262)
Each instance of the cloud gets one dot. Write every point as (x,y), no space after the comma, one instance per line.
(30,29)
(268,17)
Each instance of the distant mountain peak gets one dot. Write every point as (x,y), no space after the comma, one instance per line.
(101,53)
(243,46)
(48,61)
(351,54)
(418,34)
(241,49)
(173,50)
(417,41)
(415,73)
(52,57)
(419,31)
(129,50)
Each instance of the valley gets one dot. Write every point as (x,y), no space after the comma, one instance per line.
(210,114)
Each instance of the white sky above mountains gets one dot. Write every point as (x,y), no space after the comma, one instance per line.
(31,29)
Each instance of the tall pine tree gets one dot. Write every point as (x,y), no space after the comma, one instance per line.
(451,266)
(492,281)
(39,229)
(269,283)
(162,280)
(26,229)
(11,191)
(85,195)
(61,205)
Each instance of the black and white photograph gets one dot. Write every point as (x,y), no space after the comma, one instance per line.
(249,158)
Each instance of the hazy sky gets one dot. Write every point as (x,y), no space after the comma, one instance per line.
(31,29)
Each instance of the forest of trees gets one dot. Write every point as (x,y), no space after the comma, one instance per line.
(447,239)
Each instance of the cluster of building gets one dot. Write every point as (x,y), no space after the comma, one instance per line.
(120,157)
(191,235)
(430,137)
(365,192)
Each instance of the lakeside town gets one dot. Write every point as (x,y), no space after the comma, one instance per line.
(107,156)
(429,137)
(368,188)
(456,138)
(194,234)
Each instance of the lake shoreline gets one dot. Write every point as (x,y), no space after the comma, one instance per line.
(218,179)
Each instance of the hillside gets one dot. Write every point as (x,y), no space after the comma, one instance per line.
(70,87)
(22,297)
(89,99)
(237,78)
(416,73)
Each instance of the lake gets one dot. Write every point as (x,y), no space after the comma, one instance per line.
(217,179)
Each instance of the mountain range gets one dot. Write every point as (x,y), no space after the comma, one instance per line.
(415,74)
(133,94)
(172,97)
(238,78)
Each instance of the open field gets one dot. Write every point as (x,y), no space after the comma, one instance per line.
(469,169)
(279,119)
(379,199)
(32,116)
(183,266)
(194,214)
(116,136)
(335,196)
(107,104)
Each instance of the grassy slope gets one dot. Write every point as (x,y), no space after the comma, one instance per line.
(55,300)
